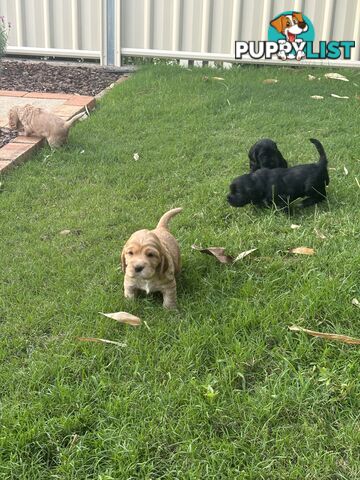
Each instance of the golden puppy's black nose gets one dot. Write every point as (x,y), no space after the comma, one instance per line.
(139,268)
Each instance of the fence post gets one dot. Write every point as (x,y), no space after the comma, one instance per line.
(75,24)
(111,32)
(47,25)
(356,36)
(19,24)
(103,32)
(118,33)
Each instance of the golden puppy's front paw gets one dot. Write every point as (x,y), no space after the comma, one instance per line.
(171,306)
(169,300)
(129,293)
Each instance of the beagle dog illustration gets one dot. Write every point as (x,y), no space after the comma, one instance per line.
(290,26)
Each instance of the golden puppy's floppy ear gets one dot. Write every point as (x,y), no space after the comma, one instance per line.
(164,262)
(278,23)
(13,118)
(123,262)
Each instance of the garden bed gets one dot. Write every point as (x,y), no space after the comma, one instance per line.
(36,76)
(6,135)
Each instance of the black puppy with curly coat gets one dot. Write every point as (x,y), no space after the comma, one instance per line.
(281,186)
(265,154)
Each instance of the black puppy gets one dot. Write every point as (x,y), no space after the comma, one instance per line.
(265,154)
(281,186)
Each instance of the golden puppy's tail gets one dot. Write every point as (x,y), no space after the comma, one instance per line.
(72,120)
(164,220)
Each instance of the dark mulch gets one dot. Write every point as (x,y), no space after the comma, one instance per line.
(46,77)
(6,136)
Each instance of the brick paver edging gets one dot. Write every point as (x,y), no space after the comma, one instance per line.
(21,147)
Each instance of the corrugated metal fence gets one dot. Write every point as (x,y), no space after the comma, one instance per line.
(184,29)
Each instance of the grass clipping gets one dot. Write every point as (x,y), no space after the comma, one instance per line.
(101,340)
(327,336)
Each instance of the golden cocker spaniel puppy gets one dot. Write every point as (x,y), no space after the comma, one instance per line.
(150,260)
(41,123)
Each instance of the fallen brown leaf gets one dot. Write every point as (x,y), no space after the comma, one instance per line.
(218,78)
(244,254)
(269,81)
(101,340)
(317,97)
(302,251)
(355,302)
(346,171)
(357,181)
(123,317)
(67,232)
(217,252)
(336,76)
(328,336)
(311,77)
(294,226)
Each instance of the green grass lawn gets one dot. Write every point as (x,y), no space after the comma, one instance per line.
(221,389)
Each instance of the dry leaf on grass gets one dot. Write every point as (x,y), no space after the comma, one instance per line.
(311,77)
(68,232)
(357,181)
(269,81)
(336,76)
(219,79)
(217,252)
(319,234)
(101,340)
(346,171)
(338,96)
(136,157)
(244,254)
(302,251)
(355,302)
(317,97)
(123,317)
(328,336)
(221,256)
(294,226)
